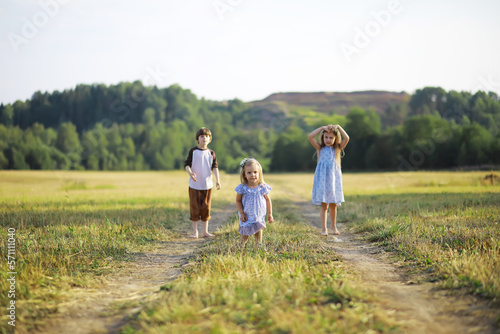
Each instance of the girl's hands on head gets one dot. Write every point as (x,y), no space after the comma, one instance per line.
(329,127)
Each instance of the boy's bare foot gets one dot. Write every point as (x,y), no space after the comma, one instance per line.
(195,235)
(208,235)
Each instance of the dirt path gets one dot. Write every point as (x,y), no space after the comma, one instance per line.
(421,308)
(108,307)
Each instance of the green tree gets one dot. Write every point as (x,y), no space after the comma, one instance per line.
(67,143)
(95,148)
(363,128)
(427,100)
(394,115)
(475,144)
(456,106)
(293,152)
(422,137)
(6,114)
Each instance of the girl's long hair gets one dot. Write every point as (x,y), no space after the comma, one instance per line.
(249,162)
(336,145)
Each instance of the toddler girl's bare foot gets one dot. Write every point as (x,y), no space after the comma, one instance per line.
(208,235)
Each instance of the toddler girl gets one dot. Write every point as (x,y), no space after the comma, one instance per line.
(252,201)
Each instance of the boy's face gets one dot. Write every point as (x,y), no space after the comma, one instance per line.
(204,140)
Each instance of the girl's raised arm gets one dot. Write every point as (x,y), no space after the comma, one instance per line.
(345,137)
(312,136)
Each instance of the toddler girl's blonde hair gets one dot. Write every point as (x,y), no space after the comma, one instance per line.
(336,144)
(248,162)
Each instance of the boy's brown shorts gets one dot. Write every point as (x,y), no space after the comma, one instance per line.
(200,202)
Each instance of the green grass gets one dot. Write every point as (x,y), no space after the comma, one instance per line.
(294,286)
(454,238)
(73,227)
(58,247)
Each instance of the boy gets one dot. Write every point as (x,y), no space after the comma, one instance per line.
(199,164)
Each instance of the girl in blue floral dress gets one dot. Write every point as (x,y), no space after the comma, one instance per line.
(253,201)
(327,186)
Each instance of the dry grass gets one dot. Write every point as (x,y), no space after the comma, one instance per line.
(293,286)
(72,227)
(451,237)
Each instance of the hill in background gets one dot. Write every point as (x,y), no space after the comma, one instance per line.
(313,108)
(338,102)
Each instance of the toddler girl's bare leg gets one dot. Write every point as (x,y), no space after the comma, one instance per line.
(205,230)
(258,237)
(244,239)
(195,229)
(333,217)
(322,218)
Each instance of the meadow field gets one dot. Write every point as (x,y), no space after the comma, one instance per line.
(66,229)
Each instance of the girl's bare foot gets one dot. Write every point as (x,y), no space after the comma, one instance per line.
(323,233)
(208,235)
(336,232)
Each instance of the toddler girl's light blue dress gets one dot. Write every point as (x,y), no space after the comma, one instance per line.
(254,206)
(327,186)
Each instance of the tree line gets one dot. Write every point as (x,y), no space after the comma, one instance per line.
(130,126)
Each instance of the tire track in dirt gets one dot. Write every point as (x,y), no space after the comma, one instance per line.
(120,294)
(419,308)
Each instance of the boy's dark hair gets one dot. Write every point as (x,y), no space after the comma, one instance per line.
(203,131)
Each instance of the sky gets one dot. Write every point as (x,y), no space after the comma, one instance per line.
(249,49)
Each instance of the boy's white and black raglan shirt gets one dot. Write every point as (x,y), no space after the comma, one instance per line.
(201,162)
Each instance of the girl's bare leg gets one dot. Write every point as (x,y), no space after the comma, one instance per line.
(244,239)
(322,218)
(258,237)
(333,217)
(195,229)
(205,230)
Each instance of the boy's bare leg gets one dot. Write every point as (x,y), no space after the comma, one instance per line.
(205,230)
(333,217)
(322,218)
(195,229)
